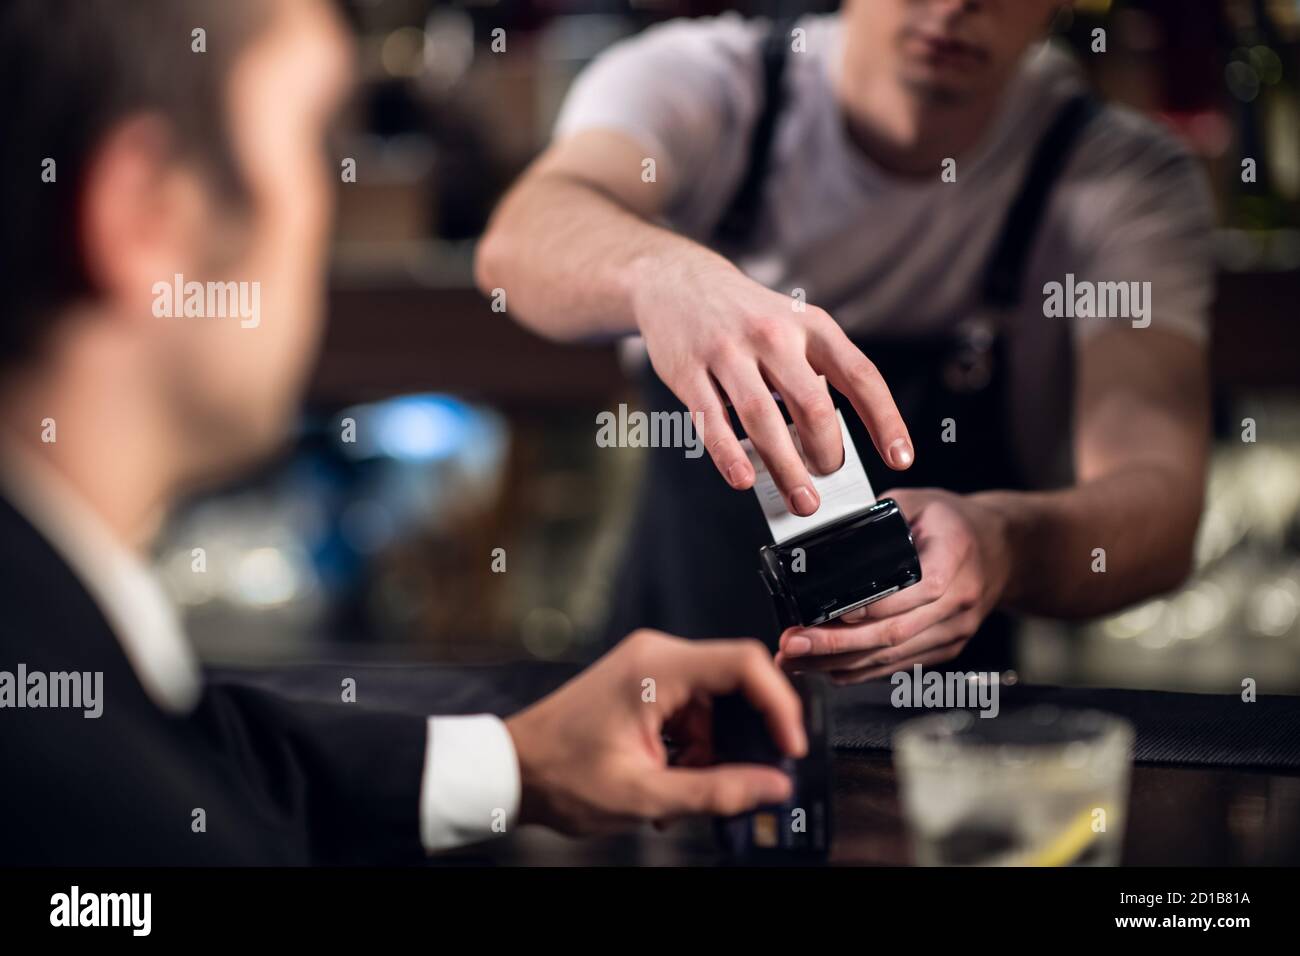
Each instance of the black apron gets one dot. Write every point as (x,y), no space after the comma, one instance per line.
(691,565)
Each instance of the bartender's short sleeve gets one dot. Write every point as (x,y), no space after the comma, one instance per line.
(1146,214)
(688,92)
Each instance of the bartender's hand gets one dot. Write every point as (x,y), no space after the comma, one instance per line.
(591,755)
(714,335)
(965,565)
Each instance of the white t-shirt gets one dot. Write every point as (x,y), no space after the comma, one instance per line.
(905,257)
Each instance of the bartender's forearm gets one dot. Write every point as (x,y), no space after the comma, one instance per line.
(1139,525)
(1141,451)
(572,255)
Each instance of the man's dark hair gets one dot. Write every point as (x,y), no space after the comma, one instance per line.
(70,70)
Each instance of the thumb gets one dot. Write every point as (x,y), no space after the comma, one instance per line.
(910,500)
(716,791)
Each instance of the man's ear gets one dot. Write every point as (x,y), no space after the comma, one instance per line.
(140,216)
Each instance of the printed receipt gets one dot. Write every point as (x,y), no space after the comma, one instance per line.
(843,493)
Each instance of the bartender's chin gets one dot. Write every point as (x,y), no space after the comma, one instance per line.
(929,87)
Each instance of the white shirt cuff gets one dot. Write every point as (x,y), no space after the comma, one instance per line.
(470,787)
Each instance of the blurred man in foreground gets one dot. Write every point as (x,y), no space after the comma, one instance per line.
(133,166)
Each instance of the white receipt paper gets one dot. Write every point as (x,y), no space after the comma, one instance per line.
(844,492)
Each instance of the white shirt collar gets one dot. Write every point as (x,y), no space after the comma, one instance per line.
(126,591)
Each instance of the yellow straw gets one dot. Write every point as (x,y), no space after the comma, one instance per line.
(1068,845)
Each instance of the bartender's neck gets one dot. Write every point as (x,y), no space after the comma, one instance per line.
(78,421)
(905,130)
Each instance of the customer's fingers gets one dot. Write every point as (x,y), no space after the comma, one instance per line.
(745,666)
(724,790)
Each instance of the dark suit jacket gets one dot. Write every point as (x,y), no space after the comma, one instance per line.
(280,781)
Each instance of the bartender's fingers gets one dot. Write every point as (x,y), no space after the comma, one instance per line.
(941,654)
(752,399)
(809,401)
(808,647)
(718,791)
(929,636)
(836,357)
(888,607)
(700,396)
(727,666)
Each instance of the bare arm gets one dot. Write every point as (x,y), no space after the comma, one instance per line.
(573,247)
(573,238)
(1141,450)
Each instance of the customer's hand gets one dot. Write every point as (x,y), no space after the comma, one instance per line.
(592,757)
(714,334)
(965,564)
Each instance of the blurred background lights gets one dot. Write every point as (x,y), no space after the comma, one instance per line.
(418,429)
(1242,80)
(1139,620)
(547,633)
(1274,607)
(402,53)
(266,577)
(448,47)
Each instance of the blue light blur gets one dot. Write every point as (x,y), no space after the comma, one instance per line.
(415,428)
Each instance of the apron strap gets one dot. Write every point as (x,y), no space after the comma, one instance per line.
(738,220)
(1004,274)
